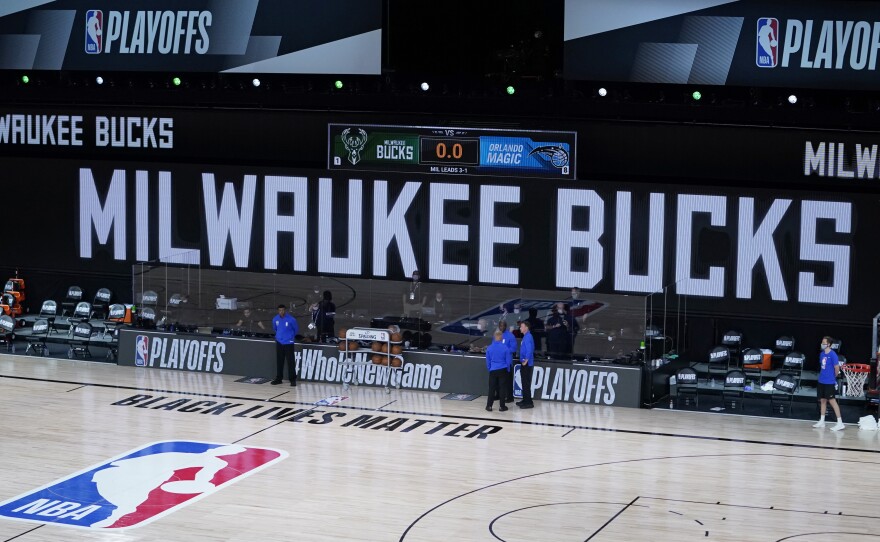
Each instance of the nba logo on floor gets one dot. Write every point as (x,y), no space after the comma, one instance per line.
(767,47)
(140,486)
(94,31)
(141,350)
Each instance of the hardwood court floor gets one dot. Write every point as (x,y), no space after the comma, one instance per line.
(447,470)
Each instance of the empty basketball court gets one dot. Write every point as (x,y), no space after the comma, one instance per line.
(412,466)
(674,192)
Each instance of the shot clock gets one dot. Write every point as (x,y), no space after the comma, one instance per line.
(452,151)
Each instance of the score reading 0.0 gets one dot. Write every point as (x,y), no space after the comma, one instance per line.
(448,150)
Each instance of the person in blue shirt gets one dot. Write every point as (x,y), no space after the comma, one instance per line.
(527,362)
(286,328)
(829,368)
(510,342)
(498,366)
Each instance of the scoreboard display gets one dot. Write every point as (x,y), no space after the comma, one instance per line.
(452,151)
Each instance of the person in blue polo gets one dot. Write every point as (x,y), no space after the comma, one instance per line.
(829,369)
(510,342)
(498,365)
(286,328)
(527,360)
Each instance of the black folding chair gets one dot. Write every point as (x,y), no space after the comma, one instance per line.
(81,314)
(115,318)
(37,339)
(783,393)
(148,317)
(783,345)
(113,347)
(734,392)
(48,311)
(752,363)
(719,358)
(78,346)
(733,340)
(794,366)
(74,296)
(101,303)
(171,312)
(147,306)
(149,298)
(686,387)
(7,332)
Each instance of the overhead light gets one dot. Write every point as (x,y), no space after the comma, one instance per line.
(425,86)
(602,92)
(792,99)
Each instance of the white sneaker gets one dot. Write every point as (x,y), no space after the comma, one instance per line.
(838,426)
(819,425)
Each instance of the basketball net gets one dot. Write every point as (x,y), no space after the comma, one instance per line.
(856,375)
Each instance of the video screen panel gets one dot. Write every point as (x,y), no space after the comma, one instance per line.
(785,253)
(220,36)
(808,44)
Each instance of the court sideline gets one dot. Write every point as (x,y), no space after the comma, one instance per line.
(413,466)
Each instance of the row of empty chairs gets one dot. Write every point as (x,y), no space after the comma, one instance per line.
(78,309)
(80,329)
(732,355)
(78,343)
(80,317)
(74,299)
(733,392)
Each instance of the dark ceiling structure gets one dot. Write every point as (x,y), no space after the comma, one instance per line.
(469,55)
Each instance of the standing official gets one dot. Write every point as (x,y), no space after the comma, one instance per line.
(285,333)
(498,365)
(510,342)
(527,364)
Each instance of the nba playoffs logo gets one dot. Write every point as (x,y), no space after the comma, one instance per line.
(140,486)
(767,47)
(94,31)
(141,350)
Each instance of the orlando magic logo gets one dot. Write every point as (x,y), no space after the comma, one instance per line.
(354,144)
(557,155)
(94,31)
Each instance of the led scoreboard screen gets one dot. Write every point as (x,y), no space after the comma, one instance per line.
(452,151)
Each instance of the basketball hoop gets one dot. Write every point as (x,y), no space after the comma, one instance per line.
(856,374)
